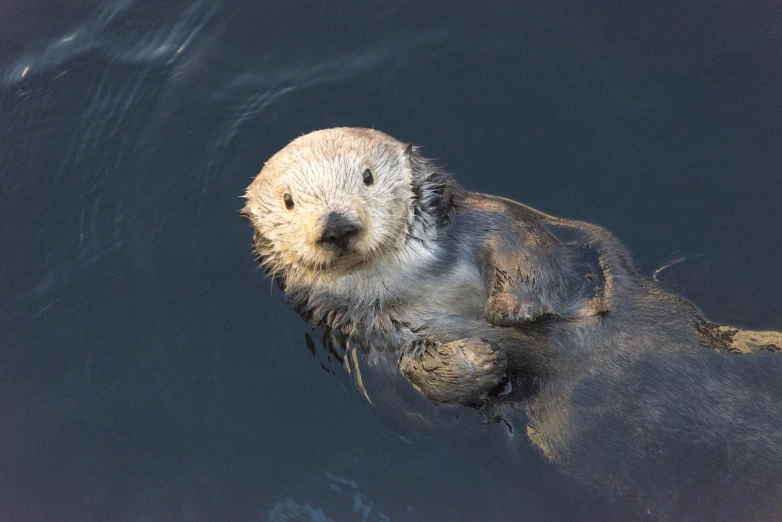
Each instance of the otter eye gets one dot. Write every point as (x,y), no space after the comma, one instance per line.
(368,179)
(288,201)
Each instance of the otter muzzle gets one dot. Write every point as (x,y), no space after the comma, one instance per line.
(338,232)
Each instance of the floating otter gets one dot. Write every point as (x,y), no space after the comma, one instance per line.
(490,303)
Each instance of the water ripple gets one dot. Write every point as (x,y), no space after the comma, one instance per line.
(107,33)
(267,83)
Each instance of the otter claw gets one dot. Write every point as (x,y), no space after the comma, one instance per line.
(418,347)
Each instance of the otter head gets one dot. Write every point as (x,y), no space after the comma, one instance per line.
(338,200)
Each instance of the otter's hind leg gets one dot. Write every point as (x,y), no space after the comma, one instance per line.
(460,372)
(737,340)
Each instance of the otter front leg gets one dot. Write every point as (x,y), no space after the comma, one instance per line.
(459,372)
(513,308)
(525,278)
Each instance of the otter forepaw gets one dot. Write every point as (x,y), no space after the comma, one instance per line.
(504,309)
(460,372)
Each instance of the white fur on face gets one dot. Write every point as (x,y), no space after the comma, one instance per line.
(322,172)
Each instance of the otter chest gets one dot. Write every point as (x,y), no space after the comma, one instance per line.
(459,291)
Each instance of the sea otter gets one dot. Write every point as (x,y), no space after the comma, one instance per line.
(490,303)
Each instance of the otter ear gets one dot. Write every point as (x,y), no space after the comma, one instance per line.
(436,194)
(408,149)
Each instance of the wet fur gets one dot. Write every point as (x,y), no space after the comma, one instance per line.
(622,383)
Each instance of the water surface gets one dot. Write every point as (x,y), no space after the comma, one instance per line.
(148,372)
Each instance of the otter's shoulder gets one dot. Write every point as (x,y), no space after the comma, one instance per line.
(495,207)
(494,216)
(567,231)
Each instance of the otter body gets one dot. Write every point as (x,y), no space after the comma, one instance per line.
(489,303)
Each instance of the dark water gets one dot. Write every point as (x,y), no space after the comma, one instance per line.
(147,372)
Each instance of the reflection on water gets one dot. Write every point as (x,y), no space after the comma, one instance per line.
(147,371)
(359,507)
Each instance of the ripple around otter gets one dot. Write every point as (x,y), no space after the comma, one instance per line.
(146,368)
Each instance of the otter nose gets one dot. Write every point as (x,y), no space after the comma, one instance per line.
(338,231)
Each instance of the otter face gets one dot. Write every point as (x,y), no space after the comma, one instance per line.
(332,200)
